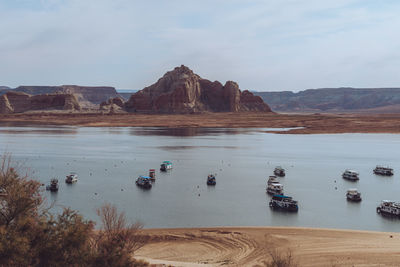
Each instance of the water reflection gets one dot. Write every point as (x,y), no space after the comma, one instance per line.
(186,131)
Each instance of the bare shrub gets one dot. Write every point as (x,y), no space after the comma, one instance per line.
(117,240)
(31,236)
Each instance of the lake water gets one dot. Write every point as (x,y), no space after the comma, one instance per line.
(108,160)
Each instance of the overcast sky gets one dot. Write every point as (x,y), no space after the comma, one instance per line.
(269,45)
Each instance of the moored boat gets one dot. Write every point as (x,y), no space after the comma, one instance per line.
(53,186)
(272,180)
(279,171)
(71,178)
(350,175)
(282,202)
(353,195)
(144,182)
(388,207)
(275,188)
(381,170)
(166,165)
(152,174)
(211,180)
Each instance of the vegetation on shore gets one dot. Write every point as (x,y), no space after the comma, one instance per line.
(31,236)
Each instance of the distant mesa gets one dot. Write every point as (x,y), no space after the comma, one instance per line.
(15,102)
(182,91)
(334,100)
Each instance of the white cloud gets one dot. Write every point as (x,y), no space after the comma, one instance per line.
(263,45)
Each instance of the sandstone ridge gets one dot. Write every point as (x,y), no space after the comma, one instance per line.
(182,91)
(16,102)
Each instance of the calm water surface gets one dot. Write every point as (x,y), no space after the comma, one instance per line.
(108,160)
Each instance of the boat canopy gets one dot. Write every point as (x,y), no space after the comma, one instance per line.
(282,196)
(144,177)
(167,162)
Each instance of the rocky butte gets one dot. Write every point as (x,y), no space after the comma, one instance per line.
(15,102)
(182,91)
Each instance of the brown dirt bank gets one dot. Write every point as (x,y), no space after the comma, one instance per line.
(312,123)
(248,246)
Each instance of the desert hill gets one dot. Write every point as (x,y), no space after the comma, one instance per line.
(345,99)
(87,96)
(16,102)
(182,91)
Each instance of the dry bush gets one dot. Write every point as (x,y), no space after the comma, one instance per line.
(117,240)
(31,236)
(279,257)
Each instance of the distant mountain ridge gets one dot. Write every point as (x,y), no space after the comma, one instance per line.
(344,99)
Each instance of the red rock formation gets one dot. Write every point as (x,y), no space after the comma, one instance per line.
(182,91)
(15,102)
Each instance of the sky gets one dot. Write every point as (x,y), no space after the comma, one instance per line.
(263,45)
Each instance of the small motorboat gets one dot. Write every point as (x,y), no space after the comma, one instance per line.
(353,195)
(279,171)
(71,178)
(152,174)
(350,175)
(53,186)
(166,165)
(275,189)
(144,182)
(389,207)
(211,180)
(281,202)
(386,171)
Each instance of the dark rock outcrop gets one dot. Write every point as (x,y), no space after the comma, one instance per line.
(182,91)
(15,102)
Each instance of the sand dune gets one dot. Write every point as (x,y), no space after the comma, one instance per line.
(250,246)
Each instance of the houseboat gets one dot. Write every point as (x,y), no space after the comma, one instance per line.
(350,175)
(386,171)
(279,171)
(71,178)
(152,174)
(353,195)
(389,208)
(282,202)
(211,180)
(272,180)
(275,189)
(166,165)
(53,186)
(144,182)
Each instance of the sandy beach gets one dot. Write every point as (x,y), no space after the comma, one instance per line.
(250,246)
(309,123)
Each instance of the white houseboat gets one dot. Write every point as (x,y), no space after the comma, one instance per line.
(71,178)
(275,189)
(389,208)
(353,195)
(350,175)
(284,203)
(166,165)
(279,171)
(386,171)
